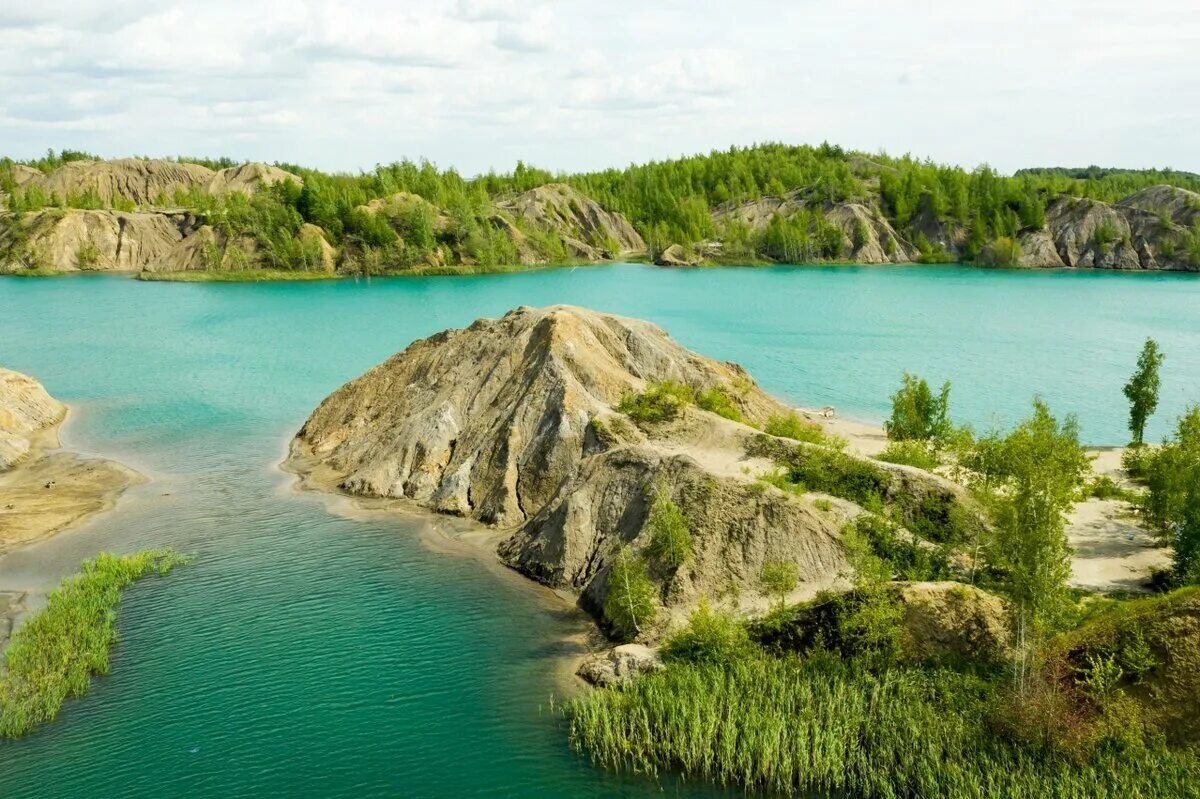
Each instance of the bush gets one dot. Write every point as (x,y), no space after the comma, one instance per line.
(918,415)
(710,637)
(903,556)
(716,400)
(779,578)
(670,539)
(793,427)
(630,602)
(910,453)
(660,402)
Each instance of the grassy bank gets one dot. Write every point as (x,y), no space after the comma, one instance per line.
(818,724)
(53,655)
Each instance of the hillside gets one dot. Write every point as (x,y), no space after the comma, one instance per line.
(768,203)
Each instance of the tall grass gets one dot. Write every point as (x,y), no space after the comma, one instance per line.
(53,655)
(797,725)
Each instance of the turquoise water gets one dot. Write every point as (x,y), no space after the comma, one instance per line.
(312,654)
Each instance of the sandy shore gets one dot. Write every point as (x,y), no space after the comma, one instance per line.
(1113,551)
(47,492)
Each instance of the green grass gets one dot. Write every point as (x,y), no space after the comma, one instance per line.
(793,427)
(816,724)
(239,276)
(53,655)
(660,402)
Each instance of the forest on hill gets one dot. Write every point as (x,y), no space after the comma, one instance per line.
(768,202)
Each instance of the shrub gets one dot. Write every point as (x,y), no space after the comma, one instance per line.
(903,556)
(910,453)
(711,636)
(716,400)
(660,402)
(793,427)
(670,539)
(630,601)
(779,578)
(918,415)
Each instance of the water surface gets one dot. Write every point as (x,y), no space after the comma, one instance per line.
(311,654)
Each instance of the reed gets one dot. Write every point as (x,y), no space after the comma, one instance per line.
(797,725)
(53,655)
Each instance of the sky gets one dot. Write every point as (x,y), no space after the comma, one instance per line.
(571,85)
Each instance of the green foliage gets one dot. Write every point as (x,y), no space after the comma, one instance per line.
(717,400)
(711,636)
(1142,389)
(839,474)
(1172,503)
(910,453)
(1033,477)
(660,402)
(53,655)
(1104,487)
(87,256)
(1003,251)
(670,539)
(793,427)
(804,725)
(917,415)
(779,578)
(631,601)
(901,556)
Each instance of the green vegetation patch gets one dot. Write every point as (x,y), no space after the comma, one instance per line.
(818,724)
(239,276)
(53,655)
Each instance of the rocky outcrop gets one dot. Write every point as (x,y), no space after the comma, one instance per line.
(71,240)
(148,183)
(513,422)
(947,619)
(587,230)
(675,255)
(488,421)
(1156,643)
(1037,249)
(868,236)
(617,665)
(26,411)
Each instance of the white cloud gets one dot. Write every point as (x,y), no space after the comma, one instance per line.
(574,84)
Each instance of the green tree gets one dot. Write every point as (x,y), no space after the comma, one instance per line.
(1173,501)
(1142,389)
(917,415)
(670,539)
(630,601)
(1035,474)
(779,578)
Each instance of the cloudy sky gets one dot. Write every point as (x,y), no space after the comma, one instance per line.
(572,85)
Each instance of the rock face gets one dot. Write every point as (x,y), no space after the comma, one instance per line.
(488,421)
(869,237)
(675,255)
(149,182)
(512,422)
(587,230)
(77,240)
(25,411)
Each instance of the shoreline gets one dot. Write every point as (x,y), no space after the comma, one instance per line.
(51,491)
(268,275)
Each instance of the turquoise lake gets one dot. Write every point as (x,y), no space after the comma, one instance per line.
(307,653)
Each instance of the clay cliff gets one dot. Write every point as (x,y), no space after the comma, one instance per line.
(26,410)
(514,422)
